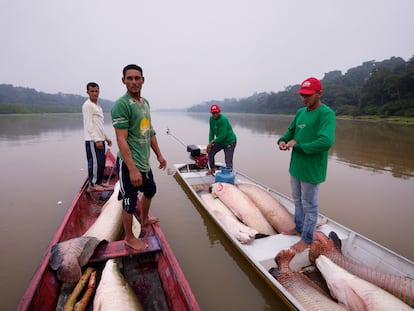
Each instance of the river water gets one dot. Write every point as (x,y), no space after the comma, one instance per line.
(369,188)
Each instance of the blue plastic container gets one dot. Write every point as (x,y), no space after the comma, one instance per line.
(225,175)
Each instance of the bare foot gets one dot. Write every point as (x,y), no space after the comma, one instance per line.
(291,232)
(136,244)
(321,223)
(97,188)
(300,246)
(211,172)
(150,221)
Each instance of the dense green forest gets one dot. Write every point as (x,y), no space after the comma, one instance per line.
(383,89)
(26,100)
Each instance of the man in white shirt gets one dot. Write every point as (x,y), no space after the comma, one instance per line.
(95,137)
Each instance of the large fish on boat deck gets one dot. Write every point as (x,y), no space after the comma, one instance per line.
(238,229)
(69,256)
(400,286)
(274,211)
(310,296)
(355,293)
(242,207)
(114,292)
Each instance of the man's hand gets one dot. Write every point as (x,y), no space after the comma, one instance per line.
(135,177)
(282,145)
(99,144)
(163,163)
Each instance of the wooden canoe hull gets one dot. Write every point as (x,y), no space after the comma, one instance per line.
(164,281)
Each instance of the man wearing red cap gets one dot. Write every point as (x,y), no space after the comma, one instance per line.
(310,135)
(221,137)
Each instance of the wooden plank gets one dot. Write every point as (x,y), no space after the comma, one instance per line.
(115,249)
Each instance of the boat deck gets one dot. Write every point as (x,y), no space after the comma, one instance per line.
(262,251)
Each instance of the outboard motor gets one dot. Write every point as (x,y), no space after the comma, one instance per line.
(198,154)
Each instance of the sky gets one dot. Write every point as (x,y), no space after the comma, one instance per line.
(195,51)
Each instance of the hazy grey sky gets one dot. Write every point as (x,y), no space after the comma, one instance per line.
(194,51)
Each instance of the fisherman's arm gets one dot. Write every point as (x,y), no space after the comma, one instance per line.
(157,151)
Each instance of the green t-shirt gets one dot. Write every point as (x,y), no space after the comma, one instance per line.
(221,131)
(128,113)
(314,133)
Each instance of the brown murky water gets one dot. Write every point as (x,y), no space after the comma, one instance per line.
(370,188)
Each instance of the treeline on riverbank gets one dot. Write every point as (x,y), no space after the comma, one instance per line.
(27,100)
(382,89)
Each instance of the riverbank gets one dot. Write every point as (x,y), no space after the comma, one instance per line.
(394,119)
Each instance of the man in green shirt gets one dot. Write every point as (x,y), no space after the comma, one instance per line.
(310,135)
(221,137)
(135,136)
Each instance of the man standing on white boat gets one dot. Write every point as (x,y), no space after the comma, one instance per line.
(220,137)
(310,136)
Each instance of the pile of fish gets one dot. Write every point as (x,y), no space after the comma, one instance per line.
(247,210)
(359,288)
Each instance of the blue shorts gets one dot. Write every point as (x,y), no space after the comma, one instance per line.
(128,193)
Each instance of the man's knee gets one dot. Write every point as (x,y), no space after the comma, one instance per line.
(150,191)
(129,205)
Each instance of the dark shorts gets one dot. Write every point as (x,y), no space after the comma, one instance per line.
(128,193)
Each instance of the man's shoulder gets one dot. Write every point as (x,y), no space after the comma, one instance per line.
(301,110)
(223,117)
(327,109)
(122,99)
(145,101)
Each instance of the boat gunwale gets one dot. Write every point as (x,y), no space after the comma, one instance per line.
(396,261)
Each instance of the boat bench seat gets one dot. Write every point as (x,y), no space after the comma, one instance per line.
(115,249)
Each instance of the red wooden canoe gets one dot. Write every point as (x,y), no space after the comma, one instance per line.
(154,274)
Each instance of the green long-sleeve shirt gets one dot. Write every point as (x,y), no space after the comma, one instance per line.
(221,131)
(314,133)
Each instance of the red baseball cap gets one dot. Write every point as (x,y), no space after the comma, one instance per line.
(310,86)
(214,108)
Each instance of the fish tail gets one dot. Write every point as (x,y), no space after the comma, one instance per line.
(284,257)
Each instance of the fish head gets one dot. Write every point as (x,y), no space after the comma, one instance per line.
(329,271)
(340,284)
(217,189)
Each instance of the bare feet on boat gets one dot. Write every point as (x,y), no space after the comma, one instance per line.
(136,244)
(300,246)
(211,171)
(291,232)
(150,221)
(99,188)
(321,223)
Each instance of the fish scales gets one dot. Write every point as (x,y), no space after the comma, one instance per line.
(400,286)
(301,287)
(356,293)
